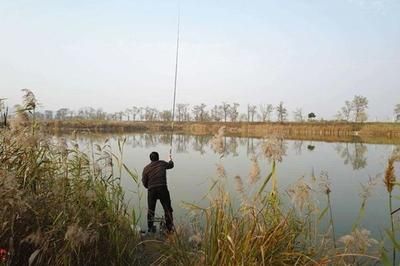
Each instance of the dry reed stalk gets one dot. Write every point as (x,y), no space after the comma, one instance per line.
(390,178)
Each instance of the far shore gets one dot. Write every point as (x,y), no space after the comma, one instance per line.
(369,132)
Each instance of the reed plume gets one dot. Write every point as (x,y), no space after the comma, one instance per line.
(390,181)
(254,174)
(217,142)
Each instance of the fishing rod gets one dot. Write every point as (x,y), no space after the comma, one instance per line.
(175,79)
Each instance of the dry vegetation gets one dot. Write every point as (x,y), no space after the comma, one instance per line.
(61,206)
(325,131)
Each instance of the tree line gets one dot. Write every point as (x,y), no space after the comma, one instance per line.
(354,110)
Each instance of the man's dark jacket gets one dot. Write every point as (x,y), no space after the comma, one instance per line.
(155,174)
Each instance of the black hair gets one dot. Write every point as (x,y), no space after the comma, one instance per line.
(154,156)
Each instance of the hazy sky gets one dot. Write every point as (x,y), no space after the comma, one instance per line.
(312,54)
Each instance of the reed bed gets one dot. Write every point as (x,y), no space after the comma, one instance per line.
(261,229)
(60,206)
(335,131)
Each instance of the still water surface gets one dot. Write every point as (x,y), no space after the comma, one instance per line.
(349,166)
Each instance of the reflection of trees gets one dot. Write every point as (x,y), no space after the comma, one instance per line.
(199,143)
(181,143)
(353,153)
(250,148)
(298,146)
(150,140)
(232,146)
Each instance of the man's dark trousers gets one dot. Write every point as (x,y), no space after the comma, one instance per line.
(161,193)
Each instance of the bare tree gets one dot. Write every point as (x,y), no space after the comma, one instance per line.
(100,114)
(62,113)
(166,115)
(225,107)
(199,112)
(181,111)
(135,112)
(128,113)
(216,113)
(397,112)
(151,114)
(298,115)
(48,114)
(281,112)
(360,104)
(251,111)
(233,112)
(265,112)
(346,110)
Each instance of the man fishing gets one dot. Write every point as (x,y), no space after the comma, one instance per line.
(154,178)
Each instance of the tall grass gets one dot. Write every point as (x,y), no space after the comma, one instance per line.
(59,206)
(262,230)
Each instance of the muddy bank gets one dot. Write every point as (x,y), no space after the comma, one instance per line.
(387,133)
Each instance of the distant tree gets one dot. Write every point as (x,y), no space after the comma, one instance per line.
(251,112)
(181,111)
(346,110)
(339,116)
(298,115)
(233,112)
(360,104)
(128,113)
(356,108)
(2,104)
(199,112)
(311,116)
(216,113)
(119,115)
(150,114)
(142,112)
(166,115)
(265,112)
(61,114)
(48,114)
(135,112)
(242,117)
(70,113)
(397,112)
(225,107)
(87,112)
(281,112)
(100,114)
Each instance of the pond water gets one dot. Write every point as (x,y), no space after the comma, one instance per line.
(349,167)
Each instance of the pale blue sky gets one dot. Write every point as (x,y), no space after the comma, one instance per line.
(313,54)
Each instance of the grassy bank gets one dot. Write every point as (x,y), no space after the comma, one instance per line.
(57,208)
(65,207)
(388,133)
(62,206)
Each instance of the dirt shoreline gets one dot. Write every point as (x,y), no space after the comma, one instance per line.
(379,133)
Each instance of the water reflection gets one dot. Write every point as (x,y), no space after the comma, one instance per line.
(353,153)
(297,146)
(310,147)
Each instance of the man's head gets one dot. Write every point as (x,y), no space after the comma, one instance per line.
(154,156)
